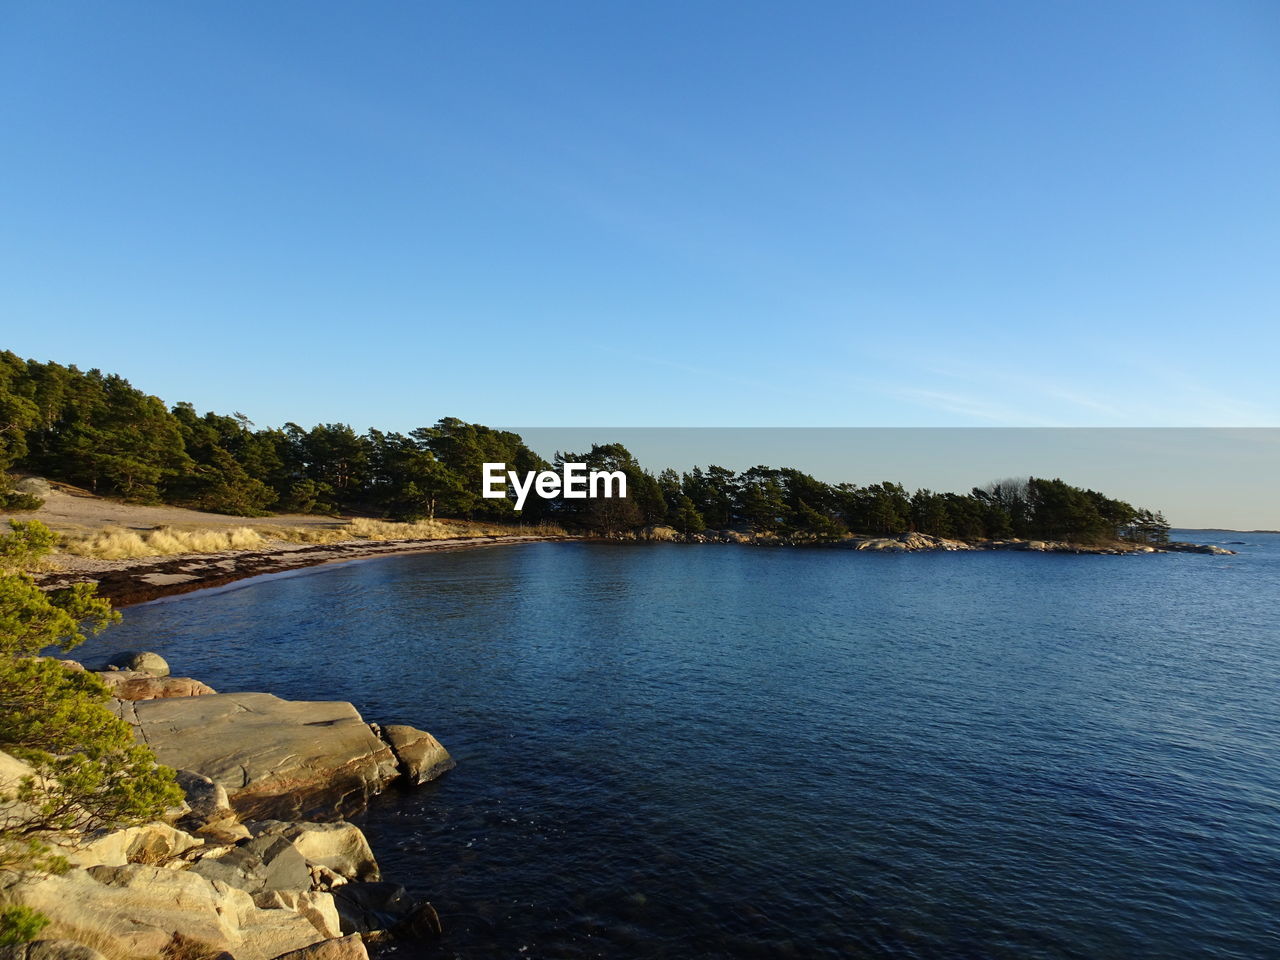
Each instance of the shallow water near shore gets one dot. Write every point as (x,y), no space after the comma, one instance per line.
(720,751)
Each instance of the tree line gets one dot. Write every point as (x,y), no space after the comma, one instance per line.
(97,431)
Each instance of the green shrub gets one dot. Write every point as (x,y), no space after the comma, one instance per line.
(89,770)
(20,501)
(27,542)
(20,924)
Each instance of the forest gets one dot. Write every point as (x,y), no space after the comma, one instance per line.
(99,432)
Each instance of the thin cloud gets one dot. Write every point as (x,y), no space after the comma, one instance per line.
(1169,397)
(971,406)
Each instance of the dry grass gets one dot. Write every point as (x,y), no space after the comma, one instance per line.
(366,529)
(189,948)
(100,933)
(313,535)
(118,544)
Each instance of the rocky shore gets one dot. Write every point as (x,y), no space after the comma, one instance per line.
(140,581)
(258,862)
(916,543)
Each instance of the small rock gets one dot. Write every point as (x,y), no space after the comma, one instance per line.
(421,756)
(260,865)
(370,907)
(208,800)
(322,878)
(35,487)
(318,907)
(346,948)
(142,661)
(422,924)
(224,831)
(339,847)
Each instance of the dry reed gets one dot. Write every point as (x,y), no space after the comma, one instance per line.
(114,543)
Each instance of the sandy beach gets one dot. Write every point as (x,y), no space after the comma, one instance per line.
(75,513)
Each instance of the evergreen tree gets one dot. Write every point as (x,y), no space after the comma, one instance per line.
(812,522)
(1059,511)
(18,412)
(930,513)
(217,480)
(669,484)
(761,501)
(686,518)
(644,489)
(607,514)
(880,508)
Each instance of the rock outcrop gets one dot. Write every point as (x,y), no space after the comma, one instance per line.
(139,685)
(339,848)
(277,759)
(251,900)
(344,948)
(149,843)
(421,756)
(260,865)
(207,801)
(232,875)
(374,907)
(141,907)
(1181,547)
(33,486)
(911,542)
(905,542)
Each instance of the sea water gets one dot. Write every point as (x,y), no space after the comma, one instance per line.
(730,751)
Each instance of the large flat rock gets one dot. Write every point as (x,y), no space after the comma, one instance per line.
(277,759)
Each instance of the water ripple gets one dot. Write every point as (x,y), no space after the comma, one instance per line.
(724,752)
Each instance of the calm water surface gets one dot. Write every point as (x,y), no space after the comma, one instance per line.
(678,751)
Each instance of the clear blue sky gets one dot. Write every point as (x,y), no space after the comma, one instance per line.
(665,214)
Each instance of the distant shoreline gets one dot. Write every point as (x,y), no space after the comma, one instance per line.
(324,540)
(1221,530)
(128,583)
